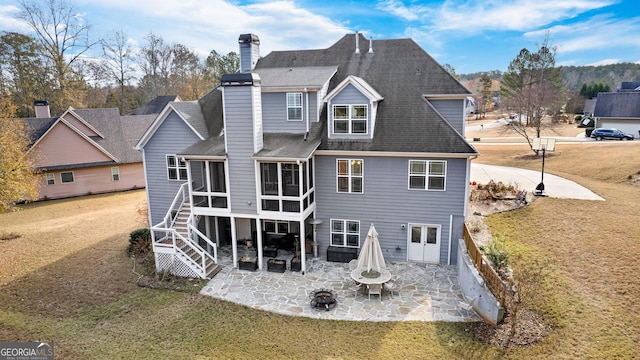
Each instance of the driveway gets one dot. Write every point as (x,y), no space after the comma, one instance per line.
(554,186)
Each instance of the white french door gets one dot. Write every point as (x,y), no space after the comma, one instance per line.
(424,243)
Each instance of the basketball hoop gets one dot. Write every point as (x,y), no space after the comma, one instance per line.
(544,144)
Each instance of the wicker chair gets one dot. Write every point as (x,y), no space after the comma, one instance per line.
(375,289)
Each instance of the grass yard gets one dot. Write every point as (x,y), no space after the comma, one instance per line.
(67,278)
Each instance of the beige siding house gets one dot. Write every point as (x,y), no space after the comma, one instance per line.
(90,151)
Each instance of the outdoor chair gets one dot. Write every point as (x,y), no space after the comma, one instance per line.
(375,289)
(391,286)
(355,286)
(353,264)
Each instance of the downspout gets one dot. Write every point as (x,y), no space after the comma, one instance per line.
(306,93)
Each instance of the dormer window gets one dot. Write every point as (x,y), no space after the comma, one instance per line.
(350,119)
(294,106)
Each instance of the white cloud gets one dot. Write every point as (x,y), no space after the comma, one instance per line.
(9,19)
(604,62)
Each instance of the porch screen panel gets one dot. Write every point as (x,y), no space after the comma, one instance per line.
(216,174)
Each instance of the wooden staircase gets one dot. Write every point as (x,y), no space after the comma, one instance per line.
(187,253)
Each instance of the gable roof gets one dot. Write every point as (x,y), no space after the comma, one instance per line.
(401,72)
(188,111)
(619,105)
(155,105)
(362,86)
(116,135)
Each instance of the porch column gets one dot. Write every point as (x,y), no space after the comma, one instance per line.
(234,242)
(259,241)
(303,247)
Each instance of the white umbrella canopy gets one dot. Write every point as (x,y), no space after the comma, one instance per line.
(370,257)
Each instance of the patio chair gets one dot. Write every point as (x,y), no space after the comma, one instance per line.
(391,286)
(355,286)
(353,264)
(375,289)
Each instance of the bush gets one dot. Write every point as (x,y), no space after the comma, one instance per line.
(139,242)
(498,253)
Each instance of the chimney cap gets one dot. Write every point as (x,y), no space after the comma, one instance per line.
(249,38)
(40,103)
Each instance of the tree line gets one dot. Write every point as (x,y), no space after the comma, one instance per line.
(51,63)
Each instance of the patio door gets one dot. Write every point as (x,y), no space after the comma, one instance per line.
(424,243)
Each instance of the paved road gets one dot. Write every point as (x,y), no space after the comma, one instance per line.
(555,186)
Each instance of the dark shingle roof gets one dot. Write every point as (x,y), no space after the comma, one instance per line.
(618,105)
(120,133)
(154,106)
(402,73)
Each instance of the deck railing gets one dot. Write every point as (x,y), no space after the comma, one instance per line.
(490,276)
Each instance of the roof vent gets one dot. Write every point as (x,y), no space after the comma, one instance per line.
(371,45)
(357,43)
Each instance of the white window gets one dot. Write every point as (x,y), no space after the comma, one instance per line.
(350,119)
(115,173)
(350,175)
(176,168)
(345,233)
(51,180)
(66,177)
(427,175)
(294,106)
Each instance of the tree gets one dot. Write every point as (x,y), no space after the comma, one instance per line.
(119,63)
(451,70)
(218,65)
(18,174)
(485,92)
(64,37)
(533,87)
(155,62)
(23,72)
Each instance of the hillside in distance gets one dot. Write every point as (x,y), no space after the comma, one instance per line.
(574,76)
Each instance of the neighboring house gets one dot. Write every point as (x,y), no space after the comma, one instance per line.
(361,132)
(87,151)
(620,110)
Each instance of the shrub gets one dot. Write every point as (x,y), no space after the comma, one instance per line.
(139,242)
(498,253)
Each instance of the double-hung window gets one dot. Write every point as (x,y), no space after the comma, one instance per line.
(51,180)
(345,233)
(176,168)
(294,106)
(427,174)
(350,119)
(350,175)
(115,173)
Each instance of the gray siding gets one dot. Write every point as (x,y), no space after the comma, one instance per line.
(274,112)
(350,96)
(172,137)
(387,203)
(240,136)
(453,111)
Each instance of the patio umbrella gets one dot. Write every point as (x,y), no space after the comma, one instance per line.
(370,257)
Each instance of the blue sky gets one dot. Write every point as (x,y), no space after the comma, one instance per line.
(471,36)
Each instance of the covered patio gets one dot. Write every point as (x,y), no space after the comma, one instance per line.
(425,292)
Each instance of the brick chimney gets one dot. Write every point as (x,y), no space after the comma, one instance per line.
(249,52)
(42,108)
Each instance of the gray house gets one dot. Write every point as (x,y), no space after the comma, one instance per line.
(300,151)
(620,109)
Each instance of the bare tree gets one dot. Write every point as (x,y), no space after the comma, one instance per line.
(64,37)
(155,61)
(533,87)
(119,62)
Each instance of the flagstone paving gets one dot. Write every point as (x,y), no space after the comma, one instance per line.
(425,292)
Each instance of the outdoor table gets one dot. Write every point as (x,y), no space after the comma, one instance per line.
(356,274)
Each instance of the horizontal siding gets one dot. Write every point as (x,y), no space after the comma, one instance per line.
(387,202)
(239,133)
(274,113)
(93,180)
(172,137)
(350,96)
(63,146)
(453,111)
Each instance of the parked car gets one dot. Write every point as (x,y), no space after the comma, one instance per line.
(600,134)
